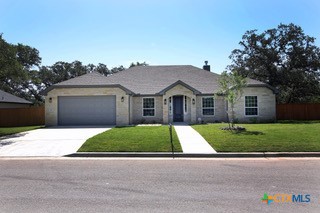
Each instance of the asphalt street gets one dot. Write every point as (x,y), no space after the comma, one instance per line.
(156,185)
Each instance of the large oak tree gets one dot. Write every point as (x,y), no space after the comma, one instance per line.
(17,67)
(21,72)
(284,57)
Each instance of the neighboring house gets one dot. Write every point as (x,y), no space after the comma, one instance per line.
(152,94)
(10,101)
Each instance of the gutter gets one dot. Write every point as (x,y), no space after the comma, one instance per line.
(197,155)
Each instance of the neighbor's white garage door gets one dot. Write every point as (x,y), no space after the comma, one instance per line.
(87,110)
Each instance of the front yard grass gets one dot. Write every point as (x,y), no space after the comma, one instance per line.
(13,130)
(132,139)
(278,137)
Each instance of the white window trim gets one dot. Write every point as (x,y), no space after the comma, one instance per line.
(170,105)
(185,102)
(149,116)
(251,107)
(214,106)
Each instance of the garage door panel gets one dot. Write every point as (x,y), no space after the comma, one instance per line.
(87,110)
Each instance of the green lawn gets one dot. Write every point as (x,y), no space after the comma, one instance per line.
(132,139)
(12,130)
(279,137)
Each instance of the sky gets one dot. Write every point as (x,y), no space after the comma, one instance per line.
(159,32)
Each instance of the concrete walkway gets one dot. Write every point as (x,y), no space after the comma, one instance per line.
(52,142)
(191,141)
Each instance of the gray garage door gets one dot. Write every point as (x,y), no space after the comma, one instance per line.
(87,110)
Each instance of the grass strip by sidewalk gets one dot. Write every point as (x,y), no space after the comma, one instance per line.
(132,139)
(13,130)
(276,137)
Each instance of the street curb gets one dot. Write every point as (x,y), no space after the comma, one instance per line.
(195,155)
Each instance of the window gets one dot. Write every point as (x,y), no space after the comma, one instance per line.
(148,107)
(207,106)
(185,105)
(251,105)
(170,106)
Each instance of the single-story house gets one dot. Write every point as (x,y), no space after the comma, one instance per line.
(153,94)
(8,101)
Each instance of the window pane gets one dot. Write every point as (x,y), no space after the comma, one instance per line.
(208,111)
(185,104)
(148,103)
(170,106)
(251,101)
(148,112)
(251,111)
(208,102)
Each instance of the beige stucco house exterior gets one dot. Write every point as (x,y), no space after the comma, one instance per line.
(153,94)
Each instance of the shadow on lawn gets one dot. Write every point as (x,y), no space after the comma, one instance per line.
(298,121)
(129,126)
(249,133)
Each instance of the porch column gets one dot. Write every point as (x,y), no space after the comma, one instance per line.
(165,111)
(194,109)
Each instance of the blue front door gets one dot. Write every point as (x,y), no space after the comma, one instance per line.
(177,108)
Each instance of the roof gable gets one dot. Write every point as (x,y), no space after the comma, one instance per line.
(195,92)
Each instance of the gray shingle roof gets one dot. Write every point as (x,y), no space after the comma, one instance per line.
(153,79)
(8,98)
(147,80)
(93,78)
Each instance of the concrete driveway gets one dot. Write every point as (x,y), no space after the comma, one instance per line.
(48,141)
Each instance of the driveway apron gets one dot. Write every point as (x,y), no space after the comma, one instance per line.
(191,141)
(48,141)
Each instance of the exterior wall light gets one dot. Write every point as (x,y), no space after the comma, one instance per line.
(165,101)
(122,99)
(193,101)
(50,100)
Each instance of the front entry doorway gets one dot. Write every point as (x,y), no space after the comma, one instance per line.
(177,108)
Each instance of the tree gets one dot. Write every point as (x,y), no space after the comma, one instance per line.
(17,66)
(284,58)
(138,64)
(231,87)
(103,69)
(117,69)
(10,68)
(21,72)
(62,71)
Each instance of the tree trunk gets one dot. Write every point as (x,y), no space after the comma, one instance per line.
(232,116)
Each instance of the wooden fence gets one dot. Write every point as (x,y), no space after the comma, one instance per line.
(22,117)
(298,111)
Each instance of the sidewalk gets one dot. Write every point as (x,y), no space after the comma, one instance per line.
(191,141)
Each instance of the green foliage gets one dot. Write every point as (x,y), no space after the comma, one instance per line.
(132,139)
(283,57)
(138,64)
(21,73)
(117,69)
(290,137)
(17,63)
(231,87)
